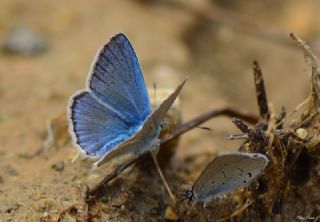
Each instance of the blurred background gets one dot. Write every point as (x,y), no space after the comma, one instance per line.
(47,48)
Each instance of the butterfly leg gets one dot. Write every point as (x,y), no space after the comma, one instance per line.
(192,206)
(155,93)
(208,214)
(154,157)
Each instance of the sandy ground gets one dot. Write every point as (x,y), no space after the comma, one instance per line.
(170,44)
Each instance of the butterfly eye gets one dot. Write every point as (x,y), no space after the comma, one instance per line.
(189,195)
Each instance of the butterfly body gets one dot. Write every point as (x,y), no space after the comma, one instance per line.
(135,146)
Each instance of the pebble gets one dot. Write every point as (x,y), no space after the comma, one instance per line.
(22,40)
(302,133)
(11,171)
(12,209)
(58,166)
(170,214)
(123,208)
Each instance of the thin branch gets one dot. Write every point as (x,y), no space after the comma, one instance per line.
(261,91)
(241,126)
(256,134)
(94,190)
(314,65)
(242,136)
(230,112)
(83,208)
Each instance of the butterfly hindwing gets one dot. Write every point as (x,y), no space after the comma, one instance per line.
(228,172)
(96,128)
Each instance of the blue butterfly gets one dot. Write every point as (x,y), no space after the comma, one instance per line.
(112,116)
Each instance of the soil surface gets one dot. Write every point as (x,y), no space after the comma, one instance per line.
(171,44)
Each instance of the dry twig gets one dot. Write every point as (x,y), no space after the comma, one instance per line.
(261,91)
(315,72)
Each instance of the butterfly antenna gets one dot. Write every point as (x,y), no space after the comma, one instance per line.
(155,92)
(181,125)
(192,206)
(154,157)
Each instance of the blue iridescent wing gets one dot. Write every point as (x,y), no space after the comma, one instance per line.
(116,102)
(117,80)
(95,127)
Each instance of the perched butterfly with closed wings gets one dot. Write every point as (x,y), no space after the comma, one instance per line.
(226,173)
(112,117)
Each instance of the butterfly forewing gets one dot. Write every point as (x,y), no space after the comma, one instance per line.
(117,80)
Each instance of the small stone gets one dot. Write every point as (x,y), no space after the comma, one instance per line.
(11,171)
(23,41)
(302,133)
(170,214)
(45,214)
(123,208)
(58,166)
(12,209)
